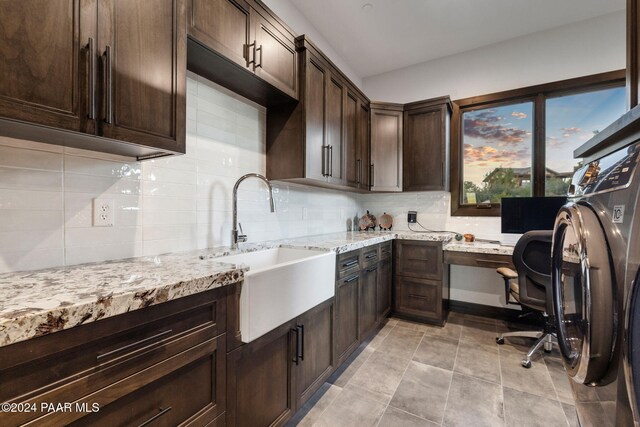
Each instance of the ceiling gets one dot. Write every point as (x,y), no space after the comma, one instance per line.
(393,34)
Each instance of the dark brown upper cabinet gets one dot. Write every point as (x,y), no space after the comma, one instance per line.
(319,141)
(106,76)
(426,142)
(242,45)
(386,147)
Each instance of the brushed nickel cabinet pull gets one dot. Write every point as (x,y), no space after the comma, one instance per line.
(331,160)
(108,72)
(417,296)
(250,48)
(372,269)
(135,344)
(372,176)
(258,64)
(156,416)
(351,279)
(296,352)
(92,78)
(490,261)
(350,263)
(358,171)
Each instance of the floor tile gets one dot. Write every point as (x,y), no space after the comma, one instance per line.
(473,402)
(527,410)
(350,409)
(584,393)
(450,330)
(560,379)
(479,332)
(401,342)
(368,394)
(437,351)
(570,414)
(381,373)
(348,369)
(397,418)
(423,391)
(535,380)
(595,413)
(480,361)
(380,336)
(315,406)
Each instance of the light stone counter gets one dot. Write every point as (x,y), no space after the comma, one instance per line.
(35,303)
(479,248)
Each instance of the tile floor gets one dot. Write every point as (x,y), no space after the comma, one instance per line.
(411,374)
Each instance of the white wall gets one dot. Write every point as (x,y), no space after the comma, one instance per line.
(583,48)
(301,25)
(164,205)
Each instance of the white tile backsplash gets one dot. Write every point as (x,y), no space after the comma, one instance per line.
(162,205)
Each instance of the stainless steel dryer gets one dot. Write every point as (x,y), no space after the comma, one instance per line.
(592,239)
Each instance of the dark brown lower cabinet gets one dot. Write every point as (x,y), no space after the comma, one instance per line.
(347,307)
(368,299)
(134,366)
(384,288)
(269,378)
(261,379)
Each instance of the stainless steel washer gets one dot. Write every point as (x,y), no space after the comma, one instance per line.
(592,237)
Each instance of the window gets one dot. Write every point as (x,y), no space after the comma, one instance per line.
(570,122)
(521,142)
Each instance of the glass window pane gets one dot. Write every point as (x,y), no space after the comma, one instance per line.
(571,121)
(497,153)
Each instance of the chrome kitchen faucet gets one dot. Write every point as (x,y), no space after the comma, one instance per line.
(235,236)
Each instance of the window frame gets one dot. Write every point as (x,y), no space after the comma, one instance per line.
(537,94)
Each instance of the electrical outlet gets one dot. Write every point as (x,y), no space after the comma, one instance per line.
(103,212)
(412,217)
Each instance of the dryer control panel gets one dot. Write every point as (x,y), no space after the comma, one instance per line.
(609,173)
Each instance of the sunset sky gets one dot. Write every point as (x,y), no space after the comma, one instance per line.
(502,136)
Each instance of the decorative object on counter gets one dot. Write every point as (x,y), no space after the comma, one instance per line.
(458,237)
(367,222)
(385,222)
(468,237)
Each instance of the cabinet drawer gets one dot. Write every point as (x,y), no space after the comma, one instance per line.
(67,365)
(386,250)
(348,263)
(418,297)
(192,392)
(370,256)
(478,260)
(419,259)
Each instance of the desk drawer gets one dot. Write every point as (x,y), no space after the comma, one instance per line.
(419,259)
(478,260)
(370,256)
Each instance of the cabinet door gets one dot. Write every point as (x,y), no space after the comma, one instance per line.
(316,76)
(259,379)
(221,25)
(424,149)
(364,146)
(419,259)
(143,50)
(351,141)
(274,56)
(336,92)
(346,328)
(385,280)
(368,300)
(316,362)
(46,63)
(386,150)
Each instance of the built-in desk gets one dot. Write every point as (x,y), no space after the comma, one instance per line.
(478,254)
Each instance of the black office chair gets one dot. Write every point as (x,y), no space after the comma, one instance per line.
(530,287)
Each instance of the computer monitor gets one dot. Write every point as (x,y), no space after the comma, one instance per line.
(522,214)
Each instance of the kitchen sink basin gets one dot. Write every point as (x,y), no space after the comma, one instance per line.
(280,285)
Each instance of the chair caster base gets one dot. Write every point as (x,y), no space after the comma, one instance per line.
(526,363)
(499,340)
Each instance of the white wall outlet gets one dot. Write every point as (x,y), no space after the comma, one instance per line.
(103,212)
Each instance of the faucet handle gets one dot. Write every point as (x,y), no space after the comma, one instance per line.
(241,237)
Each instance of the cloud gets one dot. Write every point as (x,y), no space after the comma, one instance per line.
(485,125)
(569,132)
(519,115)
(483,155)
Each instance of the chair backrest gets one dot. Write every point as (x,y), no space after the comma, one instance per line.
(532,258)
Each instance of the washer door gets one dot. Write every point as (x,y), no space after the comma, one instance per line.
(583,294)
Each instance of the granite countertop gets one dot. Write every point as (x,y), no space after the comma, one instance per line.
(479,247)
(36,303)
